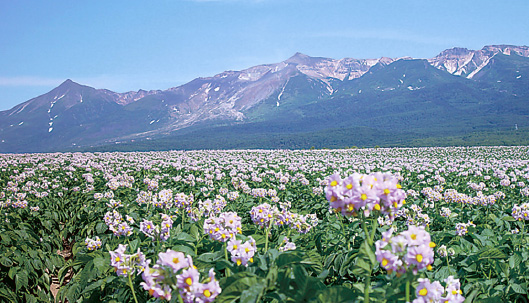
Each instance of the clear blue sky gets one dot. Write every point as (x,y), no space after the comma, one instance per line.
(127,45)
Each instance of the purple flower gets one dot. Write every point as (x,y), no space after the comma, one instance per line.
(127,264)
(117,256)
(207,292)
(123,229)
(224,227)
(241,254)
(429,292)
(422,256)
(93,244)
(416,236)
(173,259)
(148,228)
(263,214)
(188,280)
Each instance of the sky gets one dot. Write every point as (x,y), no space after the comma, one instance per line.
(127,45)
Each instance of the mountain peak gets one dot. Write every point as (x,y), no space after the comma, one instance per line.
(299,55)
(298,58)
(455,52)
(68,83)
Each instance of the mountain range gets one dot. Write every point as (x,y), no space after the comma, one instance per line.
(298,103)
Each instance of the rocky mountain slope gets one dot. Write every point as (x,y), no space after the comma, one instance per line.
(469,89)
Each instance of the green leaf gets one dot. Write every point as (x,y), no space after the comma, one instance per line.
(134,245)
(515,261)
(253,294)
(491,253)
(520,289)
(21,279)
(12,272)
(5,261)
(337,294)
(211,257)
(194,231)
(5,238)
(289,257)
(101,263)
(185,249)
(442,273)
(30,298)
(101,227)
(9,295)
(236,284)
(472,295)
(185,237)
(365,261)
(347,263)
(94,286)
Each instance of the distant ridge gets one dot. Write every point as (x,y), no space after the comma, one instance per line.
(457,92)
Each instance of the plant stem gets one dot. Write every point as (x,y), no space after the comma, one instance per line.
(267,231)
(266,240)
(132,288)
(523,235)
(228,272)
(408,291)
(367,287)
(367,237)
(343,232)
(183,217)
(375,226)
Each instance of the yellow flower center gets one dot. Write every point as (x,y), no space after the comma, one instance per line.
(350,207)
(349,186)
(117,259)
(429,267)
(189,281)
(454,292)
(334,183)
(432,244)
(413,236)
(251,260)
(207,293)
(260,210)
(363,197)
(246,249)
(235,246)
(148,226)
(333,198)
(239,262)
(386,191)
(385,262)
(419,258)
(175,260)
(377,206)
(423,292)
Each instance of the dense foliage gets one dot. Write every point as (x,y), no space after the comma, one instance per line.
(266,226)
